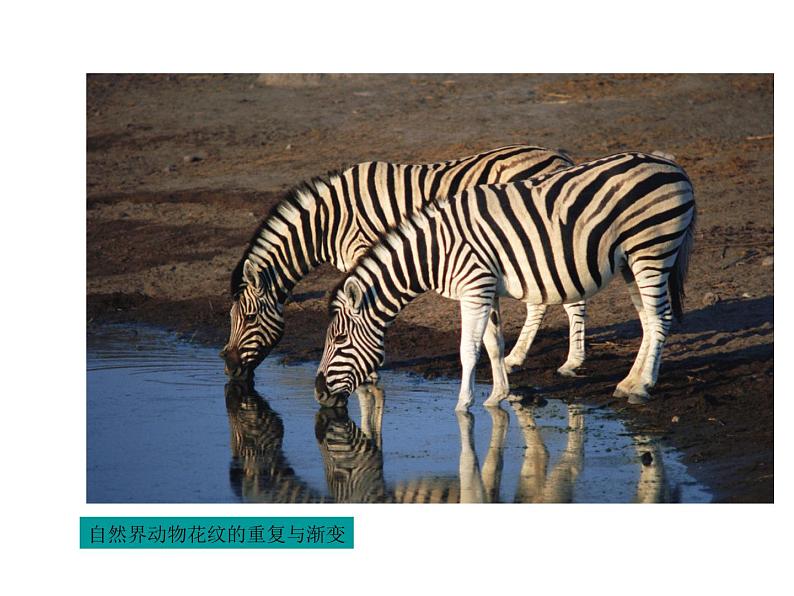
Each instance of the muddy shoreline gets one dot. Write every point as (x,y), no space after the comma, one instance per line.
(180,170)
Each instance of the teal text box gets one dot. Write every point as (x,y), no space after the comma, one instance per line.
(216,532)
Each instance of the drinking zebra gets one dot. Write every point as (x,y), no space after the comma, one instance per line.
(555,238)
(336,220)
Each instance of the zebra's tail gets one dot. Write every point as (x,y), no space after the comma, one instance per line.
(680,268)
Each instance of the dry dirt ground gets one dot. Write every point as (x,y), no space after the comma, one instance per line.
(180,169)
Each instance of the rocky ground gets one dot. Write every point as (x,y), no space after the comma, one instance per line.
(180,169)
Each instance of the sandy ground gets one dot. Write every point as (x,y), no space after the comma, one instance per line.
(181,168)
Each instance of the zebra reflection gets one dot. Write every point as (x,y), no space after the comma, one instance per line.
(535,484)
(354,468)
(652,486)
(352,458)
(259,472)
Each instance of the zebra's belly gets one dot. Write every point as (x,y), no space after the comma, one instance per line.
(564,289)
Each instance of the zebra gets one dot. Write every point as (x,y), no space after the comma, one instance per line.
(555,238)
(336,219)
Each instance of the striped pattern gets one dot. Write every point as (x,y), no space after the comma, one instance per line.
(353,461)
(336,220)
(553,239)
(259,472)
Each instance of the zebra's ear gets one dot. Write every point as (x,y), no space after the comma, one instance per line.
(354,293)
(251,275)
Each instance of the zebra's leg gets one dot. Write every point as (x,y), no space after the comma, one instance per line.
(560,483)
(626,386)
(365,400)
(652,485)
(377,415)
(471,486)
(576,316)
(532,477)
(495,346)
(494,458)
(652,288)
(474,318)
(518,354)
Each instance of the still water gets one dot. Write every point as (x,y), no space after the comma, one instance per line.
(164,426)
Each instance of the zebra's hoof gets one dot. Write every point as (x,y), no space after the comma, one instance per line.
(464,403)
(638,399)
(634,394)
(527,396)
(568,371)
(495,399)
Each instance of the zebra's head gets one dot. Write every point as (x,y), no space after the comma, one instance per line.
(257,322)
(354,345)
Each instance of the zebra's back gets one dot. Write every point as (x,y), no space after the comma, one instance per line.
(560,237)
(385,193)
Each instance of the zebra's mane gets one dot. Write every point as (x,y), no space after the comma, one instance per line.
(418,218)
(334,292)
(294,198)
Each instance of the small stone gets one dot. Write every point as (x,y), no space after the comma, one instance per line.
(674,419)
(288,147)
(170,168)
(746,295)
(767,261)
(647,459)
(191,158)
(710,298)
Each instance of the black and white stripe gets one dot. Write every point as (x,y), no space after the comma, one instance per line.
(336,220)
(557,238)
(353,461)
(259,471)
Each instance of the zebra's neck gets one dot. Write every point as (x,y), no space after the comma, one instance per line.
(293,239)
(403,265)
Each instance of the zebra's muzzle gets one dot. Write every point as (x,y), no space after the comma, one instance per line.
(324,397)
(234,368)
